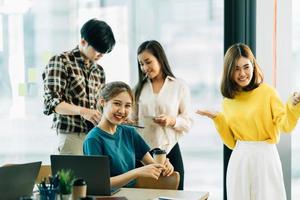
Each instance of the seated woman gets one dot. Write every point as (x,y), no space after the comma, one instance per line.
(122,144)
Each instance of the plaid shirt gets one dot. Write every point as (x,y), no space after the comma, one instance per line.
(67,78)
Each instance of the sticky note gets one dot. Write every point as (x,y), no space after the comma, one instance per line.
(32,75)
(22,89)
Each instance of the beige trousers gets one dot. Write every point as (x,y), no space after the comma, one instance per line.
(70,143)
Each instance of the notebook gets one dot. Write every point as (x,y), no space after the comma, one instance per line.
(17,180)
(93,169)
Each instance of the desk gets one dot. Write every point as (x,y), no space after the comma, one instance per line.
(147,194)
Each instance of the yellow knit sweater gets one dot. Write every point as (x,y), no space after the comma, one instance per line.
(257,115)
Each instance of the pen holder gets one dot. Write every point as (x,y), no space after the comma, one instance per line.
(48,193)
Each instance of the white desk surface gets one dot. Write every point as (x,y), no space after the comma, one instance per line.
(149,194)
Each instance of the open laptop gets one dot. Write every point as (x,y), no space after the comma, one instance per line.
(17,180)
(93,169)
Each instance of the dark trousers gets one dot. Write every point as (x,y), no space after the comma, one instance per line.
(175,159)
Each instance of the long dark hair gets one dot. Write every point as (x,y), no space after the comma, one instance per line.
(155,48)
(229,87)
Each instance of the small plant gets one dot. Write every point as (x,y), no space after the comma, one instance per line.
(66,178)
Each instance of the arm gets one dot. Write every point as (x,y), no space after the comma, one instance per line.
(152,170)
(221,126)
(182,122)
(224,131)
(285,117)
(92,147)
(142,154)
(91,115)
(55,81)
(168,167)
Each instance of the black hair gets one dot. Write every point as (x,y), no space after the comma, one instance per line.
(99,35)
(112,89)
(155,48)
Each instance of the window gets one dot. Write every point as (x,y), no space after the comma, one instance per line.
(295,71)
(190,31)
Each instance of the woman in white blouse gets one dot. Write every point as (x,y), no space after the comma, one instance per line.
(163,103)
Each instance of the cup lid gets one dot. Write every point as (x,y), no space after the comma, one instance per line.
(158,151)
(79,182)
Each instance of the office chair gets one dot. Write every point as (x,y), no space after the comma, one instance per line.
(164,182)
(45,172)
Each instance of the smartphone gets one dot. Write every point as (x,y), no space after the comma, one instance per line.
(165,198)
(149,116)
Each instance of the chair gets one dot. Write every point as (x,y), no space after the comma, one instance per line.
(164,182)
(45,172)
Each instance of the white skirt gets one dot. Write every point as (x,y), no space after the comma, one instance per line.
(254,172)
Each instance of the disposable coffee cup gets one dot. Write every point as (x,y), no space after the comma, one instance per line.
(159,156)
(79,189)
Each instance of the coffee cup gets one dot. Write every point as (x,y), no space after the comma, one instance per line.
(79,189)
(159,155)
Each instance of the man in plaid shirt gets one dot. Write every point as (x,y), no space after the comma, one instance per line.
(72,81)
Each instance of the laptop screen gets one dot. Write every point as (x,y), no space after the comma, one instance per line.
(93,169)
(17,180)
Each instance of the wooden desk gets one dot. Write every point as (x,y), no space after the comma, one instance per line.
(149,194)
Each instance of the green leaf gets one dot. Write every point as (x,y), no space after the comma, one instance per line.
(66,178)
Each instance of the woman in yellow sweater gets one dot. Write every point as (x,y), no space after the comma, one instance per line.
(250,123)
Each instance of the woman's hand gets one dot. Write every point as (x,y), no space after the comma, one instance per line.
(165,120)
(169,169)
(207,113)
(296,98)
(151,170)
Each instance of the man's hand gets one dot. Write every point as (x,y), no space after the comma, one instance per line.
(129,121)
(91,115)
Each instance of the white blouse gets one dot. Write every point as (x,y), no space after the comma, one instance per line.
(173,100)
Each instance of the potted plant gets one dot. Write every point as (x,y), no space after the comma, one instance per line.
(66,178)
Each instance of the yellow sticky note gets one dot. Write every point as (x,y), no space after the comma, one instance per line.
(32,75)
(46,56)
(22,89)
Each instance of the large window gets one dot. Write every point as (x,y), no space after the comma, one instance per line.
(192,34)
(296,71)
(31,31)
(284,15)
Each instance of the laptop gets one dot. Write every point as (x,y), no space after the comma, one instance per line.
(93,169)
(18,180)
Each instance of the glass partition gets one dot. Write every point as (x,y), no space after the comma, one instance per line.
(296,72)
(31,31)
